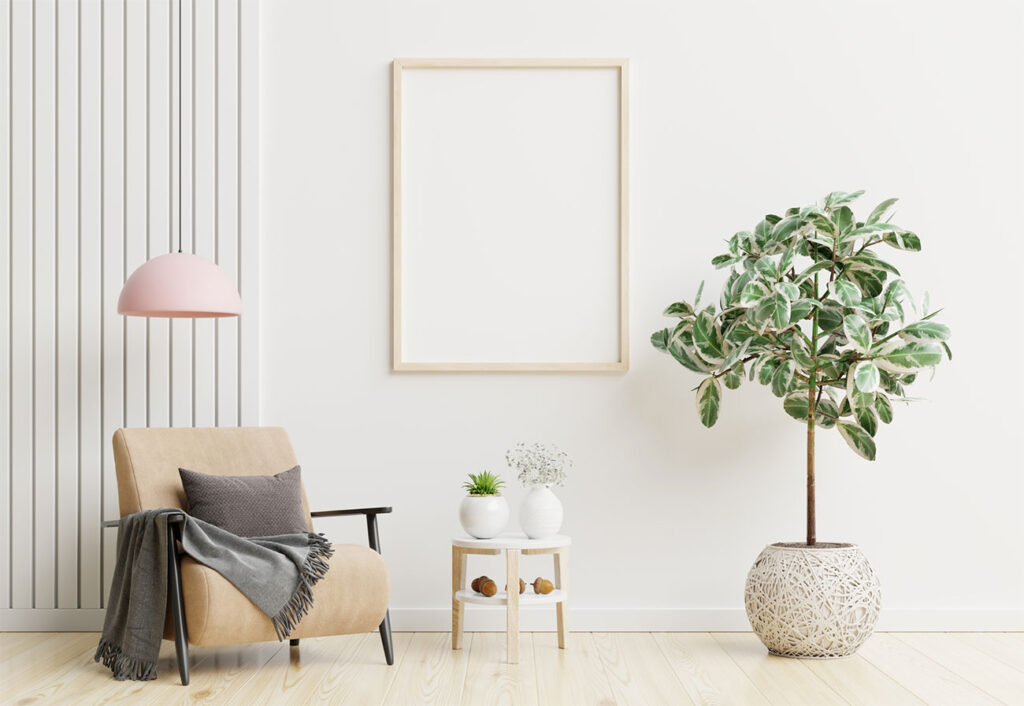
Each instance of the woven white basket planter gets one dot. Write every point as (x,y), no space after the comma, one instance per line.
(820,601)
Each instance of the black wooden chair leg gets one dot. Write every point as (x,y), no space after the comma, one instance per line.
(177,602)
(385,625)
(385,637)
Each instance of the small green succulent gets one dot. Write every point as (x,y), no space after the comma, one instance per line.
(483,483)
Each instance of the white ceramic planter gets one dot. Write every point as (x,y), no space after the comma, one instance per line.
(821,601)
(484,516)
(540,514)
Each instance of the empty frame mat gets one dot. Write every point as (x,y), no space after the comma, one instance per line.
(510,214)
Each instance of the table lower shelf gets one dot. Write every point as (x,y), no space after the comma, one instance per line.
(501,598)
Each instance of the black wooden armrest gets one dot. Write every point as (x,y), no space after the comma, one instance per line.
(352,511)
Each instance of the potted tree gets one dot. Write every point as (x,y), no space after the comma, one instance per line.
(810,310)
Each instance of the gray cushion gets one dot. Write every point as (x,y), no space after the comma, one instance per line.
(249,506)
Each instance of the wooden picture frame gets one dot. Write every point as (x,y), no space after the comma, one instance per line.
(617,206)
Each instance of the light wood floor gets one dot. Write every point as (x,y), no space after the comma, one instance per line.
(599,668)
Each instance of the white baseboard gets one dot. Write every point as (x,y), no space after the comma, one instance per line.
(582,619)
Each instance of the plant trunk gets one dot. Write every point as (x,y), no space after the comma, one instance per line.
(812,389)
(811,538)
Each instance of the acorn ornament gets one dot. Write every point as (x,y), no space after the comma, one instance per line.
(484,585)
(522,586)
(543,586)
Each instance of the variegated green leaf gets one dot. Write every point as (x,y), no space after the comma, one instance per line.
(816,267)
(909,358)
(784,229)
(843,218)
(783,378)
(733,378)
(925,331)
(830,317)
(801,308)
(722,261)
(767,370)
(659,339)
(780,311)
(838,198)
(696,299)
(883,407)
(949,351)
(857,331)
(858,439)
(679,309)
(753,293)
(846,293)
(786,261)
(867,377)
(707,338)
(903,241)
(709,398)
(871,283)
(686,357)
(735,354)
(801,354)
(854,396)
(867,419)
(879,211)
(788,289)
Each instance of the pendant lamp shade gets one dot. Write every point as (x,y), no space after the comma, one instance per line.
(179,285)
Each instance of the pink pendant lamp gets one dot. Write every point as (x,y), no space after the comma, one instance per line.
(179,284)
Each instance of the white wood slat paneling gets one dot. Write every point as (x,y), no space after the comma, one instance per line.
(89,190)
(68,208)
(5,298)
(44,305)
(22,275)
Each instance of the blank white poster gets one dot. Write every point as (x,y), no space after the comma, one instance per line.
(510,217)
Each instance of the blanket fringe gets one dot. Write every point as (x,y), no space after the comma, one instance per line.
(313,569)
(123,666)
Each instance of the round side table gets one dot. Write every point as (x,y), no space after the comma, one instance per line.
(513,545)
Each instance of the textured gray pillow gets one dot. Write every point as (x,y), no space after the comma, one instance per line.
(249,506)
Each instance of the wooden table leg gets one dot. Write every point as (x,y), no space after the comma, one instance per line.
(562,582)
(512,604)
(458,607)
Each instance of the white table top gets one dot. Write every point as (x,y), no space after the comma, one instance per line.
(512,540)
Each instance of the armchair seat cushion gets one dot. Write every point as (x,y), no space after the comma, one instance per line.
(351,598)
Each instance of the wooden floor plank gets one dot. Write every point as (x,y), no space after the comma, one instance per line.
(572,676)
(492,680)
(637,669)
(992,676)
(706,671)
(432,672)
(627,668)
(1006,647)
(296,673)
(927,679)
(860,682)
(366,678)
(782,680)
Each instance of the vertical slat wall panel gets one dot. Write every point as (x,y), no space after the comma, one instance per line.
(114,88)
(227,203)
(68,207)
(5,300)
(44,306)
(248,256)
(89,191)
(90,352)
(160,144)
(22,276)
(204,383)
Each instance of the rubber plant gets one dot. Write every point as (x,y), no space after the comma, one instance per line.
(810,310)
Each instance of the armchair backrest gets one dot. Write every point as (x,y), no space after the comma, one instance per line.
(147,461)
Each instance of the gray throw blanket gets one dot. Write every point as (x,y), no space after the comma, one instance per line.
(276,573)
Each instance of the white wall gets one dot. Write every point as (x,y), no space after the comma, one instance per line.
(739,109)
(88,192)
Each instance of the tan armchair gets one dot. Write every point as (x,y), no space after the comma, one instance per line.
(205,609)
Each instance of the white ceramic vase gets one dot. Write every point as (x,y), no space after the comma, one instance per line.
(484,516)
(540,514)
(821,601)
